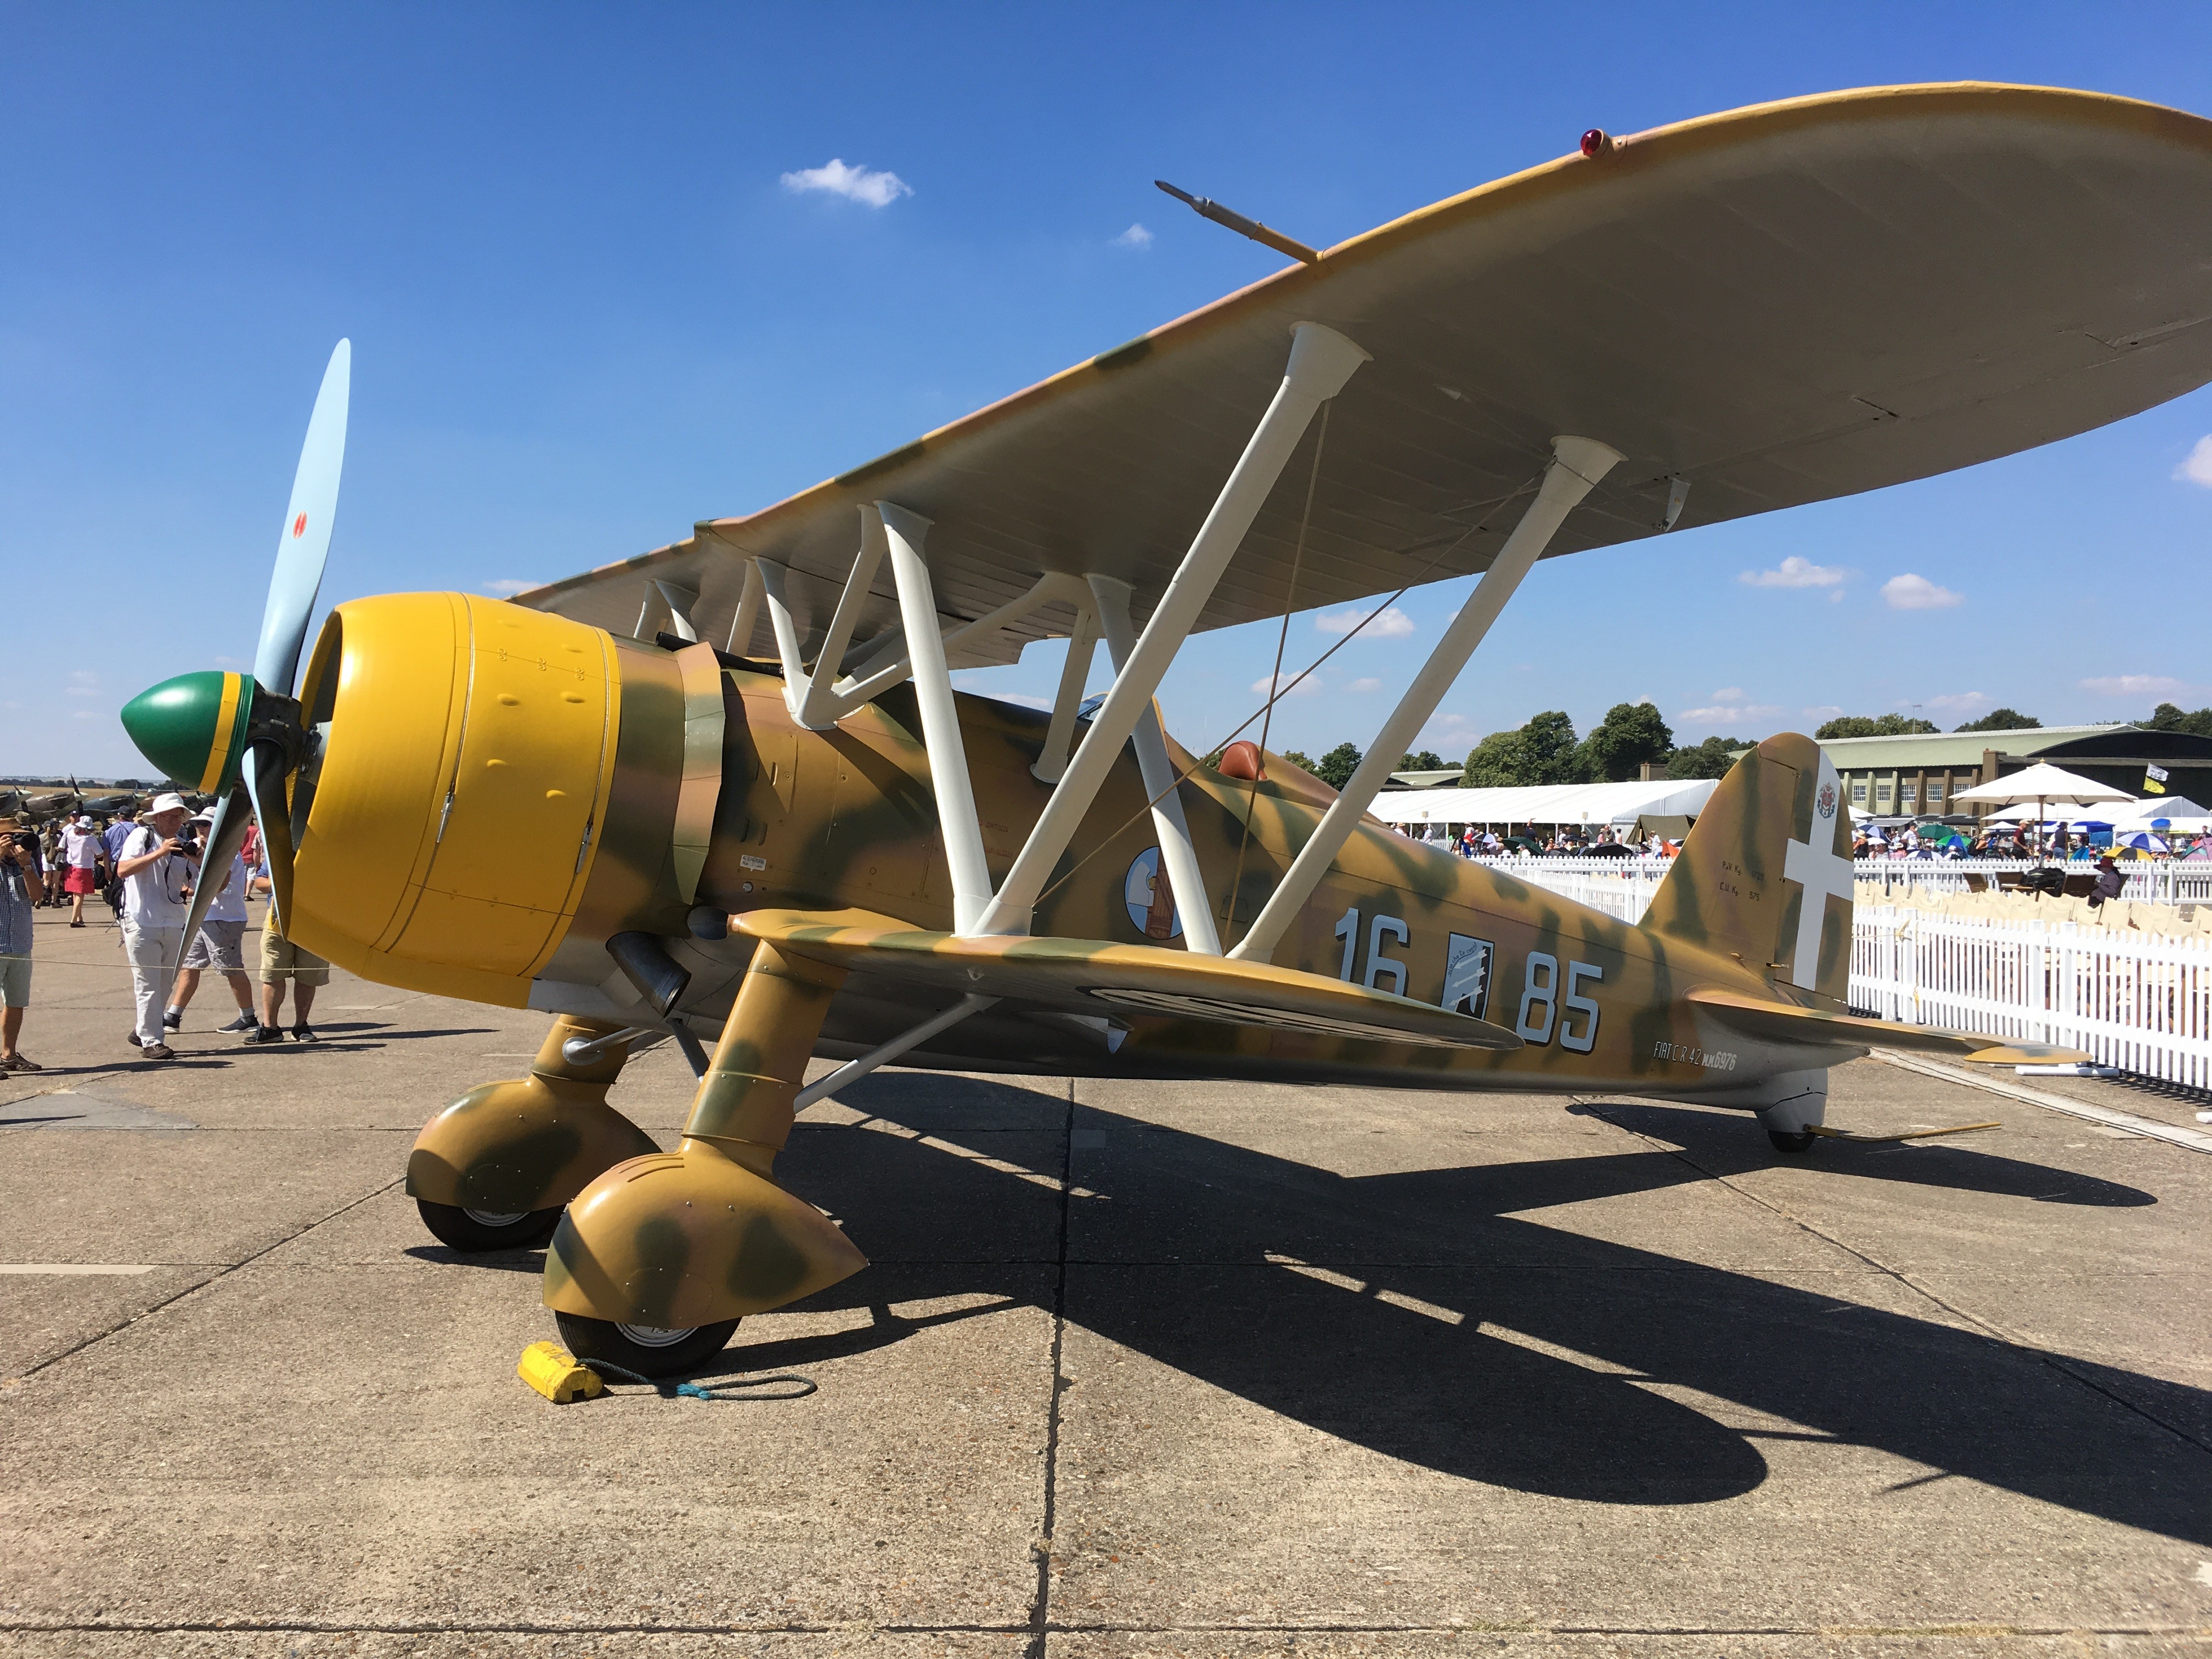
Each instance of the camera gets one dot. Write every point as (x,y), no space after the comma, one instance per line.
(23,841)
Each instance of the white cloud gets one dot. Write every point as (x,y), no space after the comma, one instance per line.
(1826,711)
(877,189)
(508,587)
(1728,694)
(1911,593)
(1391,623)
(1794,572)
(83,682)
(86,714)
(2136,685)
(1448,733)
(1836,596)
(1727,715)
(2197,467)
(1367,683)
(1135,236)
(1958,703)
(1304,688)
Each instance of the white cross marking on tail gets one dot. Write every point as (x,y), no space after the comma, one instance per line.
(1823,873)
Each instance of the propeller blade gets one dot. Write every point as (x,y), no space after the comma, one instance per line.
(262,775)
(305,541)
(225,836)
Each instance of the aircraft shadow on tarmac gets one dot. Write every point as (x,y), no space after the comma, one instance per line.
(1178,1252)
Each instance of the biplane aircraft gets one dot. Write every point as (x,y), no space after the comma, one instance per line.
(725,791)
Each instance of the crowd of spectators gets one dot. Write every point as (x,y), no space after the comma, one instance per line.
(147,865)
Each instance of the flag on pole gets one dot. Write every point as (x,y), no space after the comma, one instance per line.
(2153,780)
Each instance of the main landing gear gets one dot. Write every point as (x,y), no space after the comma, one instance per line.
(492,1172)
(655,1263)
(475,1230)
(648,1350)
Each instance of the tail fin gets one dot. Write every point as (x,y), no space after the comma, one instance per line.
(1766,875)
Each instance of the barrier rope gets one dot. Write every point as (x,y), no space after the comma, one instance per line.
(724,1392)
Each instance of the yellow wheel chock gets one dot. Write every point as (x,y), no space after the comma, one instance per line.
(561,1377)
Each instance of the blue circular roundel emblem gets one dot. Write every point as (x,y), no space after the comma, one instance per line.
(1151,906)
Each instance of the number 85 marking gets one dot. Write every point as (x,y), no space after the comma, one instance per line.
(1541,1005)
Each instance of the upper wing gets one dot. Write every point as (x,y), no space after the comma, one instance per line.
(1092,977)
(1782,304)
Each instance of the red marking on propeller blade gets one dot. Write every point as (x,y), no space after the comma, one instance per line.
(299,526)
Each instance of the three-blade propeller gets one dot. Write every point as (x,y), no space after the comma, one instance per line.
(241,738)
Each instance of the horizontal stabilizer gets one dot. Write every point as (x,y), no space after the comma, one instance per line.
(1782,1022)
(1092,977)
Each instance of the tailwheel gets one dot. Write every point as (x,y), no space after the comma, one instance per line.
(648,1350)
(1795,1142)
(476,1231)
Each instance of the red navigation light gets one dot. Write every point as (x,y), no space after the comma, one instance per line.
(1595,142)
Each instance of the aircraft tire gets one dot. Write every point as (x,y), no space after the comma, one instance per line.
(1796,1143)
(478,1230)
(654,1353)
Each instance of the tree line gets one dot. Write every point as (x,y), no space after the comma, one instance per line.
(1633,734)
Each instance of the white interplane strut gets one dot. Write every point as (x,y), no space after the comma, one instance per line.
(1321,361)
(1067,702)
(1178,856)
(1577,464)
(940,721)
(1821,871)
(749,609)
(813,701)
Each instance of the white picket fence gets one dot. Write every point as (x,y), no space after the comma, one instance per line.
(2140,1002)
(1623,887)
(1619,887)
(2160,881)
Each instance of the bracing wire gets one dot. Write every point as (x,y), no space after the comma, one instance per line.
(1275,674)
(1280,691)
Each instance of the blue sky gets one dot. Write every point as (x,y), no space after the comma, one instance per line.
(586,311)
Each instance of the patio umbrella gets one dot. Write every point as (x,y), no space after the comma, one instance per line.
(2143,841)
(2045,785)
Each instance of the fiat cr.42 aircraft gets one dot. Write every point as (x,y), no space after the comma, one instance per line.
(727,786)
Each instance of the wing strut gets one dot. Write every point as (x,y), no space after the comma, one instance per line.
(1178,856)
(1321,361)
(949,776)
(1576,465)
(749,609)
(1067,703)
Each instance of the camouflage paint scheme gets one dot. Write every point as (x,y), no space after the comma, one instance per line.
(827,862)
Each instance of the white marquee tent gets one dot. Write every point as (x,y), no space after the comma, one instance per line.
(1619,805)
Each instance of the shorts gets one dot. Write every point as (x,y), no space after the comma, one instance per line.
(219,945)
(81,879)
(281,960)
(15,982)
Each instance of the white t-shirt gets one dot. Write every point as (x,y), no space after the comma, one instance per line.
(80,849)
(230,904)
(154,896)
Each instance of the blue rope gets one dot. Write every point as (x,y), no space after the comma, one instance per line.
(723,1391)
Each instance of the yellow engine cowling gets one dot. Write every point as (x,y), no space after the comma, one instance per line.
(454,816)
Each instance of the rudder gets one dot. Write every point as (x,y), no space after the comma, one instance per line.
(1774,837)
